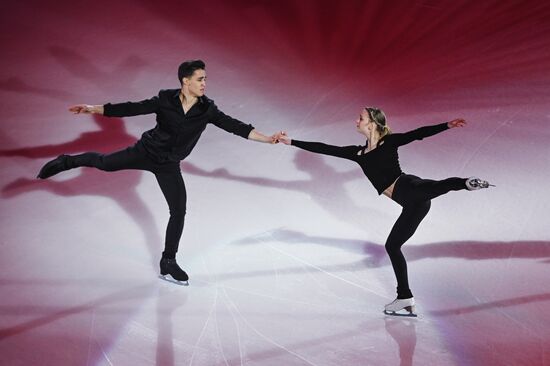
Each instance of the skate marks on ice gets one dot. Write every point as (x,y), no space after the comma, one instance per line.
(356,344)
(268,239)
(255,337)
(168,301)
(470,250)
(377,257)
(101,325)
(48,315)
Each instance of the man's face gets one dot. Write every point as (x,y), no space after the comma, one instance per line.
(196,83)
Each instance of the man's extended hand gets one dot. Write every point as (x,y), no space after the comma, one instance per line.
(459,122)
(260,137)
(86,108)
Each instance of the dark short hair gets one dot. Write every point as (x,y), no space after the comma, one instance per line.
(187,68)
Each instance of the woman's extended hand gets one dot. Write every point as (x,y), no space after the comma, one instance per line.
(459,122)
(282,137)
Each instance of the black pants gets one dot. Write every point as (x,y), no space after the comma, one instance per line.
(414,195)
(168,177)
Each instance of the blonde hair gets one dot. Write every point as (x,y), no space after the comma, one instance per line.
(379,118)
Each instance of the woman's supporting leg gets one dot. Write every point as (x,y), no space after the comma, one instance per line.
(402,230)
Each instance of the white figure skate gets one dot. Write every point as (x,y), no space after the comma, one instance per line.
(473,184)
(397,305)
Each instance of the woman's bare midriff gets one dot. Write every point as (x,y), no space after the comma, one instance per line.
(389,191)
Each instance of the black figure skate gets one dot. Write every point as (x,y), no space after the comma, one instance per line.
(53,167)
(171,272)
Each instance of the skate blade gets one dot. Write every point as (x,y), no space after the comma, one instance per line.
(409,312)
(169,278)
(407,315)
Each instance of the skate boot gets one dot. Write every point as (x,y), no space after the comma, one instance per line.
(397,305)
(474,184)
(171,272)
(53,167)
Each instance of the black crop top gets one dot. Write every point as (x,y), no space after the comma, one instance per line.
(380,165)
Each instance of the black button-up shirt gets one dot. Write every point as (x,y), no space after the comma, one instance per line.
(176,132)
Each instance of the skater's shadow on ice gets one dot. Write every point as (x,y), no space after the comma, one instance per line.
(119,303)
(377,257)
(323,185)
(111,135)
(515,301)
(121,187)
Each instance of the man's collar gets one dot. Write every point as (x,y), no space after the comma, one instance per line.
(201,100)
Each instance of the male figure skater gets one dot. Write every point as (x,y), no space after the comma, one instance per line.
(181,115)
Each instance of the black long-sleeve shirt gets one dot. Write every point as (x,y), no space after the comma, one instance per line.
(380,165)
(176,132)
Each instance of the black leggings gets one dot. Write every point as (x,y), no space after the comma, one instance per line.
(168,177)
(414,195)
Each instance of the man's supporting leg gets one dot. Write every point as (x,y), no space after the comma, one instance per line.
(173,187)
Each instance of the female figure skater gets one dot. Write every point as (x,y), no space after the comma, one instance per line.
(380,163)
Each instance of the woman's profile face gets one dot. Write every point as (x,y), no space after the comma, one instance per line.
(364,123)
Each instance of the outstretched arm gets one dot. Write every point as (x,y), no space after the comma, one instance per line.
(239,128)
(126,109)
(345,152)
(426,131)
(256,135)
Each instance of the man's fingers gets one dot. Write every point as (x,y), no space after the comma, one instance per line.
(76,109)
